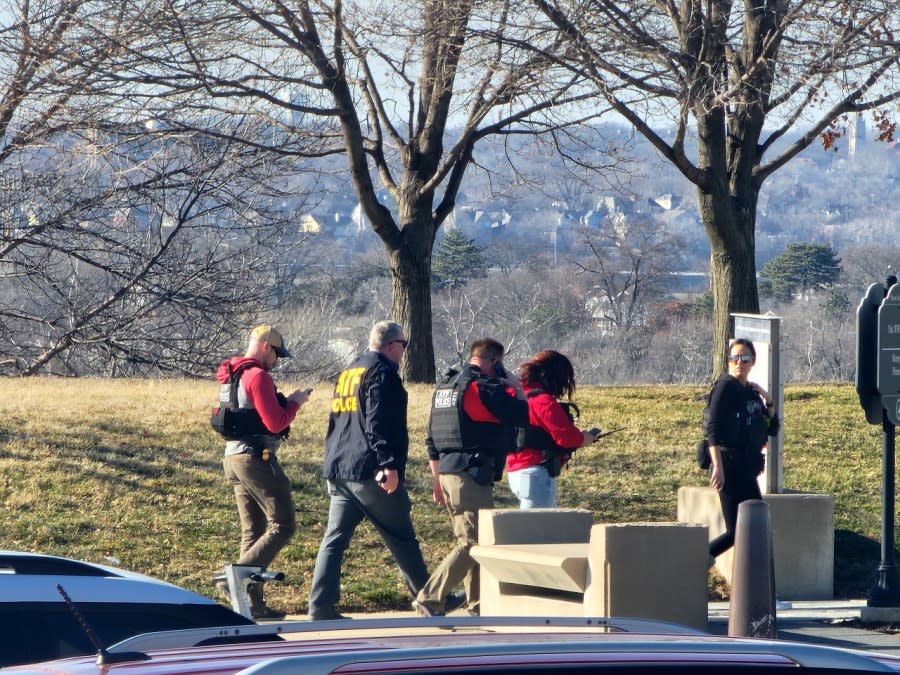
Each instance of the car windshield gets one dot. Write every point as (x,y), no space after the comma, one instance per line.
(43,631)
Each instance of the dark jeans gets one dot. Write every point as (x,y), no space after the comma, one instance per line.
(741,470)
(351,501)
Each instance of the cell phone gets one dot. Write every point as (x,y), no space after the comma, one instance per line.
(308,390)
(500,370)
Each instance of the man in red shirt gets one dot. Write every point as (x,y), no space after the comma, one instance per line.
(471,428)
(261,488)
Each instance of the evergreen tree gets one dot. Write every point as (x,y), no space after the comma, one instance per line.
(702,307)
(801,269)
(457,259)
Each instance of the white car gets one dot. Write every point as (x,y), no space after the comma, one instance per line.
(105,605)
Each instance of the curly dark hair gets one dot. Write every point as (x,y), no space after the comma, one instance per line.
(551,371)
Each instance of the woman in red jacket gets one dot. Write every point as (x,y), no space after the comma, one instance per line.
(551,435)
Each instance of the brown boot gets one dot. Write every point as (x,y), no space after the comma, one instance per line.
(258,608)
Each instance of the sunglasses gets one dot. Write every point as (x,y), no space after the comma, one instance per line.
(737,358)
(405,343)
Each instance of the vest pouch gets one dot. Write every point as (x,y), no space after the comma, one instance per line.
(482,471)
(222,422)
(234,424)
(704,459)
(553,463)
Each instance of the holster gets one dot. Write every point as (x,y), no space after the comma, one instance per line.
(553,463)
(483,473)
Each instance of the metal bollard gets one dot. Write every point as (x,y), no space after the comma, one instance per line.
(752,608)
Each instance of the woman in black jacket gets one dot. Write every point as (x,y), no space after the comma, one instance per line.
(741,418)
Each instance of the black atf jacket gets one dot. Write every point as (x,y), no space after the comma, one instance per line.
(367,427)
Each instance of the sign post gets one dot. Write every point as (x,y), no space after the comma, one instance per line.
(886,590)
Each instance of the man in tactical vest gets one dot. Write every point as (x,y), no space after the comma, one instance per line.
(261,489)
(471,428)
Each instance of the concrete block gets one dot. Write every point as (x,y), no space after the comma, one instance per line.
(533,526)
(518,601)
(802,538)
(648,570)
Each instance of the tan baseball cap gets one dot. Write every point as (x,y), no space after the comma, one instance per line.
(268,333)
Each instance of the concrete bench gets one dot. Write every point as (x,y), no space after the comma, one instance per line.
(507,527)
(646,570)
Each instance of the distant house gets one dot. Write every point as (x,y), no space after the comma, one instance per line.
(359,219)
(309,224)
(489,223)
(667,201)
(610,211)
(678,220)
(593,219)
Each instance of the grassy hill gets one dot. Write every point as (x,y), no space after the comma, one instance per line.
(130,470)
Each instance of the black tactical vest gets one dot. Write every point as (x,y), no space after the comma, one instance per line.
(536,438)
(452,430)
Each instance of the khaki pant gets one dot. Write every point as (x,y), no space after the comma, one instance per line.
(268,521)
(463,497)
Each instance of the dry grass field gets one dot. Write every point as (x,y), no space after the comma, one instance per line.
(130,470)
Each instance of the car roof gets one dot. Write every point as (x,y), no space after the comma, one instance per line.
(34,577)
(446,644)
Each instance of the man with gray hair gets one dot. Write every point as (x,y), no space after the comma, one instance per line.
(366,447)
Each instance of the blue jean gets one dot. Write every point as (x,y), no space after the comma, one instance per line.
(534,487)
(351,501)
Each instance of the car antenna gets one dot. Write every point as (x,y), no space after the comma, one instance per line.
(103,656)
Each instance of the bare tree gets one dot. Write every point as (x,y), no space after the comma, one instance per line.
(867,264)
(406,90)
(127,246)
(457,315)
(733,82)
(530,308)
(819,345)
(629,266)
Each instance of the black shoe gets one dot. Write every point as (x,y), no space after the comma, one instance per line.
(454,601)
(336,616)
(424,610)
(266,613)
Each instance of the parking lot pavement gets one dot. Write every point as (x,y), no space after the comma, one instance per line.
(828,622)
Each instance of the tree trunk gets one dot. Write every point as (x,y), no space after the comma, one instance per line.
(411,285)
(732,237)
(728,193)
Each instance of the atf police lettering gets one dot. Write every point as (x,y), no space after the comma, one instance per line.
(345,390)
(445,398)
